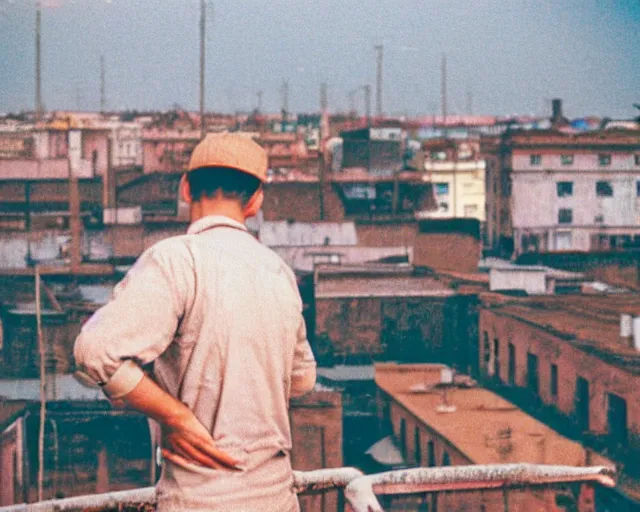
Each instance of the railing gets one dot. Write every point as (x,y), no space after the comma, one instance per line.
(360,490)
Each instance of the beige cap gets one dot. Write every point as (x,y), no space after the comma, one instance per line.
(230,150)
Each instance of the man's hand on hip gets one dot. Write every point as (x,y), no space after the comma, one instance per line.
(186,441)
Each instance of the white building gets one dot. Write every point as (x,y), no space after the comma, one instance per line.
(553,191)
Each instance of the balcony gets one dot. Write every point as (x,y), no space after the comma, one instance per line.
(489,487)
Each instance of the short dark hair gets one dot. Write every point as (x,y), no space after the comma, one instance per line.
(231,183)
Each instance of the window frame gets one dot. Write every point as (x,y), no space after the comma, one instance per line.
(564,183)
(535,159)
(604,159)
(602,190)
(567,159)
(570,216)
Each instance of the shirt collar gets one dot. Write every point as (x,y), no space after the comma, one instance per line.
(211,221)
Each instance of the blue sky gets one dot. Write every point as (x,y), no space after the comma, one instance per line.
(513,55)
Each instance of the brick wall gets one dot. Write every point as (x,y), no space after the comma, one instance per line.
(389,234)
(379,327)
(447,251)
(316,428)
(603,377)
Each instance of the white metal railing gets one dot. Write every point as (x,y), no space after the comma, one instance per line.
(360,490)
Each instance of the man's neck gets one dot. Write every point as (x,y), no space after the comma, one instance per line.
(225,208)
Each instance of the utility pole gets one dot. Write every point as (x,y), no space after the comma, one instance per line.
(322,136)
(353,111)
(203,25)
(102,85)
(38,62)
(367,103)
(43,386)
(285,101)
(469,101)
(379,49)
(259,96)
(444,93)
(323,97)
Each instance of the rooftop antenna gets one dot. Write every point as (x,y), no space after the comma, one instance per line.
(367,103)
(469,100)
(444,93)
(102,86)
(259,96)
(323,97)
(285,100)
(38,61)
(379,49)
(203,35)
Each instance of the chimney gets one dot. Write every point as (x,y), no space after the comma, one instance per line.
(626,330)
(635,340)
(556,111)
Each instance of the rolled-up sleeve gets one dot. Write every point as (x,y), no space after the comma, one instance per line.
(303,376)
(138,324)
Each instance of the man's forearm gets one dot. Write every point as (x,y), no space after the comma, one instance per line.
(151,400)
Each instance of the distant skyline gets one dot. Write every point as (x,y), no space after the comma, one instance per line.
(510,56)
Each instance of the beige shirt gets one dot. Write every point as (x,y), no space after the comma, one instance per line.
(219,314)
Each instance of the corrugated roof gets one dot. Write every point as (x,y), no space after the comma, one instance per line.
(66,387)
(303,234)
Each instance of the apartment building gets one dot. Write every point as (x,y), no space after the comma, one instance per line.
(457,172)
(559,190)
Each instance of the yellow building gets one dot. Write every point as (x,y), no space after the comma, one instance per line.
(458,177)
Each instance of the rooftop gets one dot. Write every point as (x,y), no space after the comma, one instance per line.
(484,427)
(377,280)
(590,322)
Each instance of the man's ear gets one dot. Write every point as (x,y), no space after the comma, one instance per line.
(185,189)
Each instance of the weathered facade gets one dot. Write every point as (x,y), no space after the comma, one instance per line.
(556,191)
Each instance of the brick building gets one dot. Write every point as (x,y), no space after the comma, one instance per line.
(93,448)
(444,422)
(392,312)
(573,361)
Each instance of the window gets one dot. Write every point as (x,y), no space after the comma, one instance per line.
(417,449)
(599,219)
(532,373)
(512,364)
(496,358)
(403,437)
(604,189)
(566,159)
(636,159)
(637,188)
(565,216)
(535,159)
(554,381)
(446,460)
(431,454)
(582,403)
(486,350)
(565,188)
(617,419)
(604,159)
(442,189)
